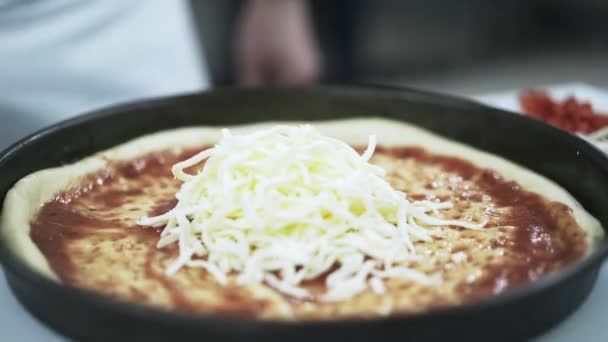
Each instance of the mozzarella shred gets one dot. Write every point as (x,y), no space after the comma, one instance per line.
(287,205)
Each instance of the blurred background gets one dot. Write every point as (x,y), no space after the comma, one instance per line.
(60,58)
(461,47)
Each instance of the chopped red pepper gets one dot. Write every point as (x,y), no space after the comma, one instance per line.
(571,114)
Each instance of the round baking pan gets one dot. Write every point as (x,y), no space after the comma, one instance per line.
(516,314)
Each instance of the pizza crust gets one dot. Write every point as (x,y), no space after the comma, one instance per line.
(30,193)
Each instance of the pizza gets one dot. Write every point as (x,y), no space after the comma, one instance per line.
(357,218)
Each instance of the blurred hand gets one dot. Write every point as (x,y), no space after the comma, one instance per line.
(275,44)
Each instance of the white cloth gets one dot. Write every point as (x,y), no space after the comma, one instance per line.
(59,58)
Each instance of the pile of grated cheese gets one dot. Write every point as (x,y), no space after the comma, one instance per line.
(285,205)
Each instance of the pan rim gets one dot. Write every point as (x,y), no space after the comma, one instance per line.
(16,267)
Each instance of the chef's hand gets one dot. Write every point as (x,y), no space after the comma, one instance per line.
(276,44)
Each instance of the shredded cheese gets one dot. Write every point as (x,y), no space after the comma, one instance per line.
(285,205)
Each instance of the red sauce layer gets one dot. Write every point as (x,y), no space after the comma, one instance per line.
(546,233)
(547,237)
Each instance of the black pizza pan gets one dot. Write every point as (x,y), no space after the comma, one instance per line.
(517,314)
